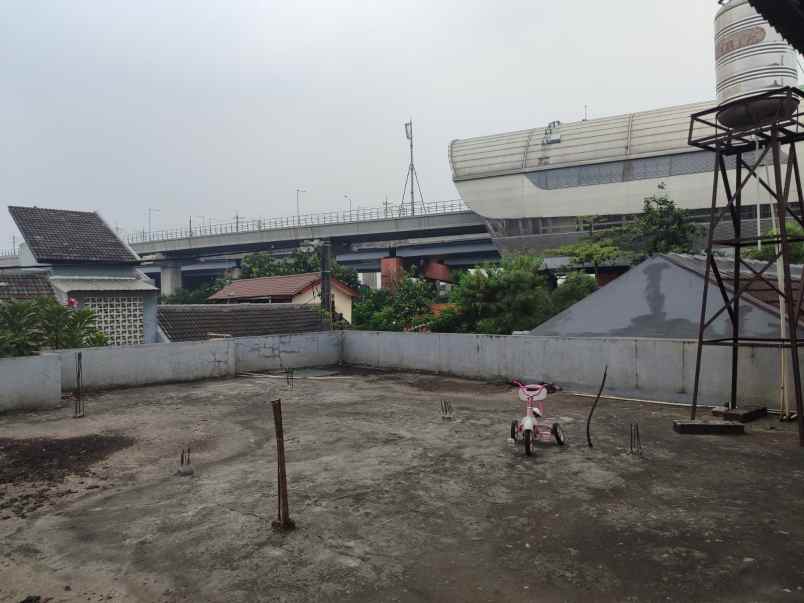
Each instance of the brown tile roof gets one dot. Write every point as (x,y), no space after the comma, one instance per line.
(64,236)
(274,287)
(198,322)
(24,285)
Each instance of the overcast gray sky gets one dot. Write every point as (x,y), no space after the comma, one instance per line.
(210,108)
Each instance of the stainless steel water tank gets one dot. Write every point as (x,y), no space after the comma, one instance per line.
(751,58)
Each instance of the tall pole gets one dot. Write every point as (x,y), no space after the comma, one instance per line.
(299,191)
(412,173)
(150,211)
(792,318)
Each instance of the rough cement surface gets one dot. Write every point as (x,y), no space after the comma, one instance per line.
(394,504)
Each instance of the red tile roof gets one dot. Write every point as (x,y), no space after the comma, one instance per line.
(278,288)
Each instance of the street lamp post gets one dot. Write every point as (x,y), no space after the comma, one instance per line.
(150,211)
(299,191)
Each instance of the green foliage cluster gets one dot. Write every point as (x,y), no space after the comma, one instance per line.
(300,261)
(513,295)
(26,327)
(195,295)
(660,228)
(768,252)
(406,308)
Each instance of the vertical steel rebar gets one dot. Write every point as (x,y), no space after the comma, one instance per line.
(78,411)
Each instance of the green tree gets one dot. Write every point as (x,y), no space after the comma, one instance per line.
(660,228)
(300,261)
(768,252)
(27,327)
(575,287)
(500,298)
(591,253)
(407,307)
(20,332)
(195,295)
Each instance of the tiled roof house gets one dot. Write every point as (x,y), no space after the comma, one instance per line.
(294,288)
(87,262)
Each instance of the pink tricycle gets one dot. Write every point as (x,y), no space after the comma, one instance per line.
(533,426)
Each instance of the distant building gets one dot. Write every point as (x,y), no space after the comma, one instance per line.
(661,297)
(212,321)
(304,289)
(90,266)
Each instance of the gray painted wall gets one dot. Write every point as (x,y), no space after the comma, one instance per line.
(657,298)
(119,366)
(31,382)
(659,369)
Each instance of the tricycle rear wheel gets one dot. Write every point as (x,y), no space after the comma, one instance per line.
(559,435)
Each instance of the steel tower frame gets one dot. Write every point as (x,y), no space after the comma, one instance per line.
(757,142)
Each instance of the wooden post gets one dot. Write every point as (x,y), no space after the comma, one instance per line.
(283,521)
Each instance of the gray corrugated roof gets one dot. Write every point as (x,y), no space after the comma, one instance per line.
(198,322)
(65,236)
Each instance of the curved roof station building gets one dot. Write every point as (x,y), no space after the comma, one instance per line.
(534,187)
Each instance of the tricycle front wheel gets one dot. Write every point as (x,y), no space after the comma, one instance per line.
(528,434)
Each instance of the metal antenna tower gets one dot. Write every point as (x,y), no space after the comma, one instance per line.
(411,176)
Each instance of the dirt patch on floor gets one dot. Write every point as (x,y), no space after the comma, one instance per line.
(36,473)
(51,460)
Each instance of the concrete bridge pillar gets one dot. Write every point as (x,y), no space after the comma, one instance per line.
(436,270)
(170,278)
(392,272)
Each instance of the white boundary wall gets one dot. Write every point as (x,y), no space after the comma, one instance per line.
(660,369)
(126,366)
(30,382)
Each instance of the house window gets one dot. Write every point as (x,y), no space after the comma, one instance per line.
(119,317)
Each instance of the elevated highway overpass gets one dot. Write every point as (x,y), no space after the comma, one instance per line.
(444,231)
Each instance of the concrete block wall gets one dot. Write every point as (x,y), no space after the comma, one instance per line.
(288,351)
(660,369)
(127,366)
(31,382)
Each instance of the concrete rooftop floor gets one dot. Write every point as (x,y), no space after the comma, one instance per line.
(391,502)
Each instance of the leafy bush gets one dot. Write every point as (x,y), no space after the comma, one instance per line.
(406,308)
(575,287)
(26,327)
(300,261)
(513,295)
(768,252)
(662,227)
